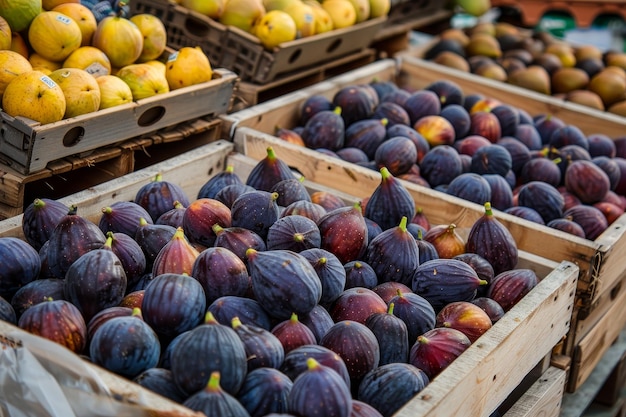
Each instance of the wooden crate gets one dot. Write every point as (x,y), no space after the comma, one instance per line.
(74,173)
(477,383)
(29,146)
(600,261)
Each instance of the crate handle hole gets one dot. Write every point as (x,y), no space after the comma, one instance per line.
(336,44)
(151,116)
(615,291)
(73,136)
(197,28)
(295,55)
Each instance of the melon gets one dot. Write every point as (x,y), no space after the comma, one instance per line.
(19,13)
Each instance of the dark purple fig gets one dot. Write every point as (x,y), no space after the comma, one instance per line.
(601,145)
(133,299)
(73,236)
(448,91)
(325,129)
(220,180)
(546,125)
(420,218)
(392,112)
(105,315)
(327,199)
(36,292)
(255,211)
(125,345)
(489,306)
(40,218)
(469,318)
(292,334)
(441,165)
(490,239)
(519,152)
(436,349)
(200,217)
(131,256)
(215,401)
(305,208)
(415,311)
(468,145)
(422,103)
(492,159)
(446,240)
(398,96)
(567,154)
(265,391)
(388,290)
(366,135)
(160,381)
(319,390)
(389,202)
(459,118)
(472,99)
(362,409)
(541,169)
(383,87)
(284,282)
(159,195)
(397,154)
(421,144)
(290,190)
(610,168)
(471,187)
(318,321)
(356,103)
(610,210)
(344,233)
(356,344)
(373,229)
(391,386)
(568,135)
(356,304)
(220,272)
(620,188)
(360,274)
(230,193)
(207,348)
(173,303)
(529,136)
(501,193)
(525,213)
(415,230)
(587,181)
(177,256)
(485,124)
(427,251)
(483,268)
(392,335)
(248,310)
(393,254)
(312,105)
(151,238)
(330,271)
(263,349)
(567,226)
(294,232)
(20,264)
(508,116)
(268,171)
(56,320)
(122,217)
(238,240)
(544,198)
(295,361)
(95,281)
(352,154)
(590,218)
(509,287)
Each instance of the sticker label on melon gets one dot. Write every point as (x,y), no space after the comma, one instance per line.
(97,69)
(173,57)
(48,81)
(64,19)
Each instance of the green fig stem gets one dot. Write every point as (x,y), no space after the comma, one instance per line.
(214,382)
(178,205)
(298,237)
(73,210)
(402,224)
(108,243)
(385,173)
(136,312)
(271,155)
(48,299)
(557,160)
(107,210)
(158,177)
(488,211)
(420,234)
(451,228)
(483,282)
(179,234)
(38,203)
(399,292)
(358,265)
(250,252)
(293,318)
(275,196)
(337,110)
(230,168)
(142,221)
(390,308)
(209,318)
(422,339)
(322,260)
(217,229)
(312,364)
(235,322)
(384,121)
(301,179)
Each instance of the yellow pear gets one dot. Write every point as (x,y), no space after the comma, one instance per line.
(90,59)
(83,16)
(19,45)
(54,35)
(210,8)
(157,64)
(12,64)
(187,66)
(5,34)
(81,91)
(323,21)
(304,17)
(113,91)
(35,96)
(40,63)
(144,80)
(242,14)
(379,8)
(342,12)
(275,28)
(154,36)
(362,8)
(120,39)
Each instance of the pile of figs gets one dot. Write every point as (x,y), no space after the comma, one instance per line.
(260,297)
(472,146)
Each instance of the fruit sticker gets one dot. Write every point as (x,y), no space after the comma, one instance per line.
(64,19)
(48,81)
(173,56)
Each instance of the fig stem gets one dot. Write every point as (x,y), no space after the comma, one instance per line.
(488,211)
(390,308)
(402,224)
(214,381)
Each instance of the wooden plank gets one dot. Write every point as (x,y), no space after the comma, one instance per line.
(543,398)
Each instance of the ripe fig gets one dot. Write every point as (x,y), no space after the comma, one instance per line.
(268,171)
(330,271)
(388,290)
(325,129)
(313,104)
(122,217)
(177,256)
(436,349)
(459,118)
(292,334)
(36,292)
(263,349)
(416,312)
(356,304)
(200,217)
(501,193)
(305,208)
(446,240)
(541,169)
(590,218)
(357,102)
(360,274)
(366,135)
(392,335)
(441,165)
(509,287)
(544,198)
(587,181)
(422,103)
(255,211)
(398,154)
(489,306)
(151,238)
(131,256)
(290,190)
(465,316)
(437,130)
(567,226)
(294,232)
(344,233)
(471,187)
(159,195)
(215,401)
(485,124)
(520,154)
(389,202)
(105,315)
(491,159)
(20,264)
(40,218)
(529,136)
(230,193)
(248,310)
(328,200)
(160,381)
(220,180)
(265,391)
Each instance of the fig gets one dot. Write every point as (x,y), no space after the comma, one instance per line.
(313,104)
(20,264)
(325,129)
(529,136)
(590,218)
(268,171)
(383,87)
(489,306)
(105,315)
(509,287)
(40,218)
(544,198)
(307,209)
(247,310)
(520,154)
(446,240)
(489,238)
(546,124)
(568,135)
(398,154)
(56,320)
(328,200)
(436,349)
(319,390)
(133,299)
(610,168)
(230,193)
(125,345)
(392,335)
(295,361)
(356,304)
(391,386)
(200,217)
(220,272)
(501,193)
(218,181)
(318,320)
(131,256)
(366,135)
(265,391)
(465,316)
(357,102)
(483,268)
(294,232)
(389,202)
(173,303)
(587,181)
(437,130)
(330,272)
(255,211)
(459,118)
(283,282)
(415,311)
(159,195)
(177,256)
(393,254)
(388,290)
(36,292)
(353,154)
(398,96)
(292,334)
(421,144)
(215,401)
(469,144)
(344,233)
(160,381)
(492,159)
(508,117)
(426,250)
(611,211)
(448,92)
(541,170)
(471,187)
(122,217)
(392,112)
(422,103)
(441,165)
(263,349)
(207,348)
(567,226)
(485,124)
(290,190)
(361,409)
(360,274)
(601,145)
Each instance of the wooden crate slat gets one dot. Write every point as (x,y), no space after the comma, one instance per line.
(543,398)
